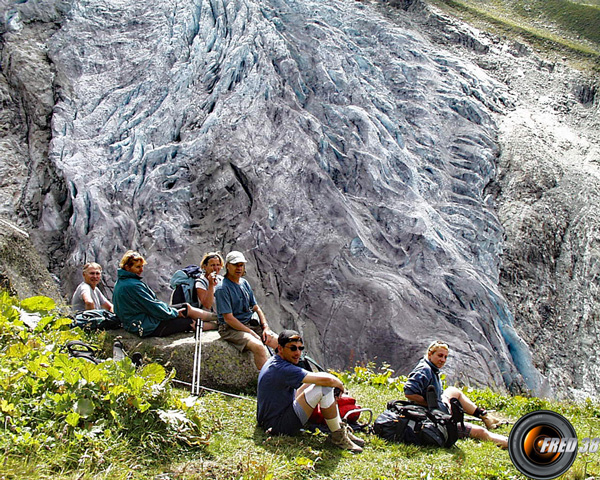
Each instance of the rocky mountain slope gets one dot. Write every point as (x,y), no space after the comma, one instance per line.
(395,177)
(547,195)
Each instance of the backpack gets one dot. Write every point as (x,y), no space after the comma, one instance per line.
(309,364)
(183,283)
(99,319)
(78,349)
(347,407)
(419,425)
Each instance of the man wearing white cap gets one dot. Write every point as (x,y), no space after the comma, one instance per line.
(241,320)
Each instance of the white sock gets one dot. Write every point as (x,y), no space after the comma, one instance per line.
(334,424)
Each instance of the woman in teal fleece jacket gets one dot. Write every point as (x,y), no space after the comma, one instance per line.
(141,312)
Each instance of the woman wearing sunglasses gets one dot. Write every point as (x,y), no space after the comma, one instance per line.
(288,394)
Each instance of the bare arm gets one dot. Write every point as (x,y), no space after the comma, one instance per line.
(268,337)
(107,306)
(324,379)
(206,297)
(416,399)
(261,316)
(88,300)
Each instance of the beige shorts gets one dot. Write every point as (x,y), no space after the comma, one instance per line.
(238,338)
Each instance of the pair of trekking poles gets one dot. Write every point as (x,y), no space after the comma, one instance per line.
(197,351)
(197,368)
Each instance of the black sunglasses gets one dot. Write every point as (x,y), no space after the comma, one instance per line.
(293,348)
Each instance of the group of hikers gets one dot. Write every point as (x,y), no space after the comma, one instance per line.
(287,394)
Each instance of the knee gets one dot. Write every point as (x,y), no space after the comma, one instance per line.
(324,396)
(479,433)
(452,392)
(256,347)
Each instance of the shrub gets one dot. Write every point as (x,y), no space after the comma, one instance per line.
(65,412)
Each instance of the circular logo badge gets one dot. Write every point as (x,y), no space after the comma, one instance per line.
(542,445)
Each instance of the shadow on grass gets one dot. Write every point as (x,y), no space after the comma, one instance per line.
(306,450)
(380,459)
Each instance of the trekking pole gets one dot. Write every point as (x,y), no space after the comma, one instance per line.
(215,391)
(197,358)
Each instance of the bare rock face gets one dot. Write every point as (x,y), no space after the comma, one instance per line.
(353,159)
(550,194)
(547,194)
(22,271)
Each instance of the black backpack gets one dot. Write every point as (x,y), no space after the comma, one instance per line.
(183,284)
(99,319)
(419,425)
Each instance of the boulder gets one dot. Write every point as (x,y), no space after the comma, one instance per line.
(223,367)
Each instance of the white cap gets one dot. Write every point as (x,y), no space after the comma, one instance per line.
(235,257)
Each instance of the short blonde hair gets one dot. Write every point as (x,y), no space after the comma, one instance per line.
(130,258)
(89,265)
(433,346)
(209,256)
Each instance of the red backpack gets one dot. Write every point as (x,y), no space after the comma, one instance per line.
(346,403)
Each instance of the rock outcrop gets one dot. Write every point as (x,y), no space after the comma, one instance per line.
(222,366)
(353,157)
(22,271)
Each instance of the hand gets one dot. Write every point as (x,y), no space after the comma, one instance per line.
(269,338)
(255,334)
(213,279)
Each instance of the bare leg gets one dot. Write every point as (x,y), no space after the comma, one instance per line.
(484,434)
(259,351)
(331,413)
(204,315)
(340,435)
(272,340)
(469,407)
(452,392)
(301,399)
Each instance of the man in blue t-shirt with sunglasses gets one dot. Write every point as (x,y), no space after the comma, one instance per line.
(288,394)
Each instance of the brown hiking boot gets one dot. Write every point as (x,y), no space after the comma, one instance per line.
(340,439)
(353,438)
(490,421)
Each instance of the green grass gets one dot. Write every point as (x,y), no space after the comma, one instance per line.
(68,419)
(561,27)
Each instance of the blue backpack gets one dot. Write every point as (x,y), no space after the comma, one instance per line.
(183,283)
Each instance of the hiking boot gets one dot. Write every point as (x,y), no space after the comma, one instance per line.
(340,439)
(353,438)
(490,421)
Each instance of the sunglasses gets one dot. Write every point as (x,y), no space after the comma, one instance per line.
(293,348)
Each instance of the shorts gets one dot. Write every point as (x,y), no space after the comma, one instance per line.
(238,338)
(462,432)
(290,422)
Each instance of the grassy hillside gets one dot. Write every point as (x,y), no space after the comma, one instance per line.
(67,418)
(563,27)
